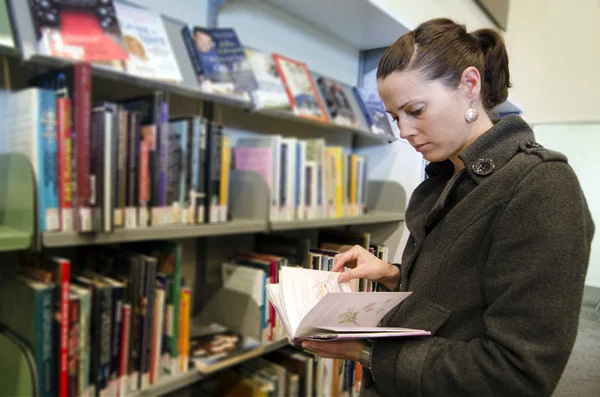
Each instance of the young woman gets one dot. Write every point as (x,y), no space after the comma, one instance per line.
(500,233)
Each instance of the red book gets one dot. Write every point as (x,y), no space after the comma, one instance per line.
(65,165)
(58,271)
(122,389)
(82,122)
(300,88)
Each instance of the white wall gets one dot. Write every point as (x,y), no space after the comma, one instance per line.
(554,59)
(580,143)
(192,12)
(266,28)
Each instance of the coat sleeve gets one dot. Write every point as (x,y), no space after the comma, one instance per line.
(533,286)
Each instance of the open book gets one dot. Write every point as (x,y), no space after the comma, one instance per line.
(312,304)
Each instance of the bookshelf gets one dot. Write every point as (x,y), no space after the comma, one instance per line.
(369,218)
(17,202)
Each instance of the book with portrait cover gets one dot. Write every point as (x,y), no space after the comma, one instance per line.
(81,30)
(219,61)
(313,304)
(374,111)
(337,102)
(300,88)
(150,51)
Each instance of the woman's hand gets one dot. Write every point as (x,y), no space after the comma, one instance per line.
(343,349)
(365,265)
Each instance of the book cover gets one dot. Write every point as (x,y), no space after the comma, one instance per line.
(374,111)
(337,102)
(150,52)
(270,92)
(85,307)
(220,61)
(80,30)
(300,88)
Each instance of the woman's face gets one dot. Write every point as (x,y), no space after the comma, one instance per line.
(430,115)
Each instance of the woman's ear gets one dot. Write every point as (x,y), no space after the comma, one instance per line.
(471,80)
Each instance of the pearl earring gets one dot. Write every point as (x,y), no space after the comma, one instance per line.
(471,114)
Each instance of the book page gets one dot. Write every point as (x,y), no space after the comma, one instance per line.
(351,310)
(274,295)
(303,289)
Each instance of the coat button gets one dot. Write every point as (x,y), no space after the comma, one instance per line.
(533,145)
(483,167)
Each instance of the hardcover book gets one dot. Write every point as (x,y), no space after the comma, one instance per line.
(312,304)
(337,102)
(270,93)
(220,62)
(374,111)
(150,52)
(81,30)
(300,88)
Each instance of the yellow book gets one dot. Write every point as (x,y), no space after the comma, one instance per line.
(225,170)
(335,163)
(353,179)
(184,329)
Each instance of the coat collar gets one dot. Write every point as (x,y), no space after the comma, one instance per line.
(490,152)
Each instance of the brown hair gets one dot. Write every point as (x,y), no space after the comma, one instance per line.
(441,49)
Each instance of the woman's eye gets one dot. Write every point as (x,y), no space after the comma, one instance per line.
(417,112)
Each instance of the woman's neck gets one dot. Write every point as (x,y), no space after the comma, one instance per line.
(479,128)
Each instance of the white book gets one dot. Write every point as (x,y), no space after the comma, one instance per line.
(158,333)
(300,179)
(274,142)
(288,149)
(313,304)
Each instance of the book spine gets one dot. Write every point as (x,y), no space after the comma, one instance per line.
(84,348)
(121,178)
(44,359)
(155,367)
(105,340)
(48,157)
(201,190)
(163,151)
(65,170)
(192,165)
(173,172)
(74,346)
(82,123)
(213,172)
(225,170)
(63,296)
(97,167)
(123,388)
(283,180)
(184,329)
(184,173)
(175,297)
(149,325)
(111,143)
(118,293)
(142,326)
(144,154)
(131,195)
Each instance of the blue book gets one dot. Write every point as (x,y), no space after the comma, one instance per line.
(220,61)
(374,111)
(30,119)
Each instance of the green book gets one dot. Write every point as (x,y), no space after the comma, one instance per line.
(31,318)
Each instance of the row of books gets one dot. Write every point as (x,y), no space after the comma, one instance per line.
(287,372)
(107,165)
(134,40)
(106,322)
(307,179)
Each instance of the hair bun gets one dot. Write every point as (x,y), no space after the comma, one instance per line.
(496,73)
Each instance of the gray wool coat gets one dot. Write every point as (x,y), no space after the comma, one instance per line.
(496,261)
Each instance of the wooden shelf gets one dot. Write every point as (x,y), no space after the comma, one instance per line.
(169,384)
(373,217)
(70,239)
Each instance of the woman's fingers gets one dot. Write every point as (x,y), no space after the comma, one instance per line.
(351,274)
(345,259)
